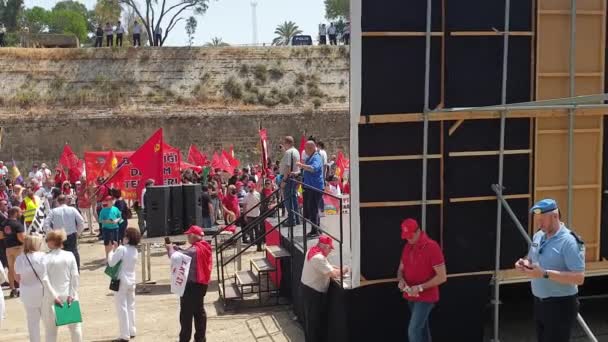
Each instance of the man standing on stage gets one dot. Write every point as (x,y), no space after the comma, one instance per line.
(556,264)
(421,271)
(192,302)
(288,168)
(312,170)
(316,275)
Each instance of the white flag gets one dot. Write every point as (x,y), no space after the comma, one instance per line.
(180,267)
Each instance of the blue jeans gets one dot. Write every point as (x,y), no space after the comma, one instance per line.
(291,203)
(207,223)
(418,329)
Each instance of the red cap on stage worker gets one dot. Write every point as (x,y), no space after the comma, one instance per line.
(316,275)
(192,301)
(421,271)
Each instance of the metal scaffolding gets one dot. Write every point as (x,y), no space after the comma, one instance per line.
(571,104)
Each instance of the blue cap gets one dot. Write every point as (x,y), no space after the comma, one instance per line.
(544,206)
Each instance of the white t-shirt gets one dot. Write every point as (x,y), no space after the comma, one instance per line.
(317,273)
(331,30)
(31,288)
(251,200)
(289,162)
(324,156)
(3,171)
(322,30)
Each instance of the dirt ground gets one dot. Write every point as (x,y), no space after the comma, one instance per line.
(157,311)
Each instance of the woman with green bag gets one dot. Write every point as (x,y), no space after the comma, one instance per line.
(124,298)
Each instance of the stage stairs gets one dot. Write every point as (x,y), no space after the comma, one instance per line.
(250,285)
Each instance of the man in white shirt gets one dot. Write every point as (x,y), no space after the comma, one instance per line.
(288,168)
(158,36)
(109,31)
(332,32)
(43,174)
(136,34)
(33,172)
(119,32)
(69,219)
(252,199)
(323,154)
(316,275)
(322,34)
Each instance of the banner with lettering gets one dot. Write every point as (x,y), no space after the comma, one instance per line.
(180,267)
(172,159)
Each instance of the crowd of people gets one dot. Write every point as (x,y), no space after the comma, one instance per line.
(108,31)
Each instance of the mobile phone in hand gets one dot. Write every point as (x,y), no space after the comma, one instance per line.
(167,240)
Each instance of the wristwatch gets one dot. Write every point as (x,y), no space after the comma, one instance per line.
(420,288)
(546,275)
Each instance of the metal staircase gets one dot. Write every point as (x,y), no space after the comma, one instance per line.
(253,284)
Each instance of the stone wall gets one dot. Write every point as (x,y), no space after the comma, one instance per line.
(42,138)
(101,99)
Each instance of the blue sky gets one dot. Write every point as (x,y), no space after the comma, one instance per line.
(231,19)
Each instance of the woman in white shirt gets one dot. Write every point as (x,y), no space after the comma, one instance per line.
(64,280)
(30,269)
(125,297)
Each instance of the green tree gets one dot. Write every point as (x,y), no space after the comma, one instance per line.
(106,11)
(36,19)
(337,9)
(285,33)
(191,24)
(216,42)
(66,21)
(163,13)
(71,5)
(10,11)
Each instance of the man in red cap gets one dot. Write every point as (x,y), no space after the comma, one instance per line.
(421,271)
(192,302)
(316,275)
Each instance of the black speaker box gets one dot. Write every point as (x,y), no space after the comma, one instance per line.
(157,211)
(193,211)
(176,218)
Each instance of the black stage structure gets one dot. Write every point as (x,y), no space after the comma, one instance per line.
(410,78)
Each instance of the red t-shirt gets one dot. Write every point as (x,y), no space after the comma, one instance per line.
(418,261)
(232,203)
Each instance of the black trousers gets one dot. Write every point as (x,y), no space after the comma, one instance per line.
(98,41)
(191,306)
(554,318)
(158,39)
(314,314)
(136,39)
(71,245)
(311,207)
(109,40)
(3,258)
(333,39)
(2,44)
(119,39)
(323,40)
(256,232)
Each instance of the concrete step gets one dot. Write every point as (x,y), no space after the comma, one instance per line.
(262,265)
(232,291)
(247,278)
(277,252)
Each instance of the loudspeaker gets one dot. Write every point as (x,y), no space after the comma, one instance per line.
(176,218)
(193,211)
(157,211)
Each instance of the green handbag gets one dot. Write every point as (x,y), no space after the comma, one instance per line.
(112,272)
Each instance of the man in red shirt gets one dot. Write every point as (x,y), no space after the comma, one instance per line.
(421,271)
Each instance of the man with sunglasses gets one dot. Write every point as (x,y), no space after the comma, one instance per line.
(556,265)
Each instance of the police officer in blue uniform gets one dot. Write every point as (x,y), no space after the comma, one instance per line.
(556,265)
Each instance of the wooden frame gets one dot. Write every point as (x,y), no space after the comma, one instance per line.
(400,34)
(401,157)
(489,33)
(397,204)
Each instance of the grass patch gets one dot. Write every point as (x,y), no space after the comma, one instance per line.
(233,88)
(317,102)
(300,79)
(244,70)
(325,50)
(260,72)
(276,73)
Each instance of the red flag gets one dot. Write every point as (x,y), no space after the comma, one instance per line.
(145,163)
(234,163)
(216,163)
(110,164)
(264,144)
(196,157)
(68,158)
(302,145)
(185,166)
(226,164)
(341,165)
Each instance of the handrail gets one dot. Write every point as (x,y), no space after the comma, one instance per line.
(248,211)
(253,243)
(246,228)
(315,189)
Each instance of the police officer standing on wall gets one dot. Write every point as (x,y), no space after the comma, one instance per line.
(556,265)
